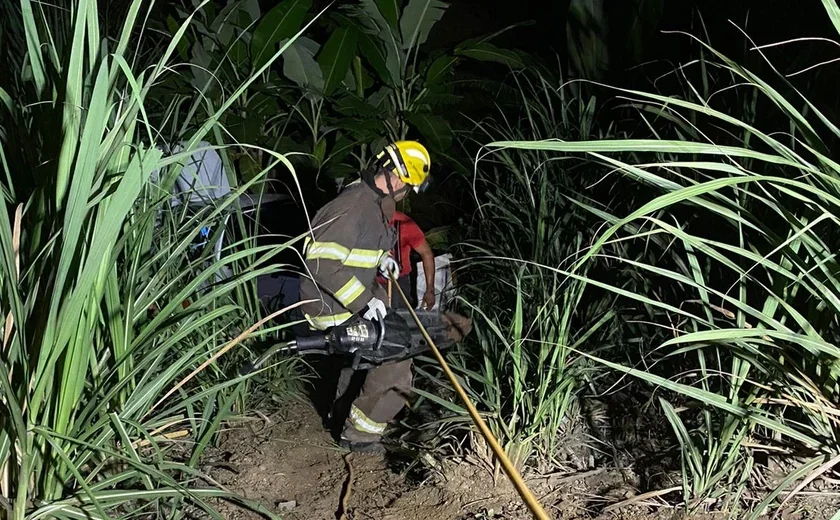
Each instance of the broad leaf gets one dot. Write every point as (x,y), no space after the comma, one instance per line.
(336,56)
(235,17)
(352,106)
(299,65)
(202,63)
(440,69)
(238,52)
(390,10)
(378,42)
(372,37)
(418,19)
(485,51)
(438,96)
(434,128)
(340,149)
(394,61)
(362,130)
(309,44)
(350,80)
(183,46)
(251,9)
(371,49)
(371,16)
(279,24)
(380,98)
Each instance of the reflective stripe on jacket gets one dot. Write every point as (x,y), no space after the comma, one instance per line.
(350,235)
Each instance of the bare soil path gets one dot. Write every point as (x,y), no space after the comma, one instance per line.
(289,463)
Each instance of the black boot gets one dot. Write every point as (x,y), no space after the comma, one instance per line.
(361,442)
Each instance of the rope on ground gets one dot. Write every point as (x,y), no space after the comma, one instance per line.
(514,476)
(348,486)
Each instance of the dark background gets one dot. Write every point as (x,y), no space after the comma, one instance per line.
(728,26)
(764,20)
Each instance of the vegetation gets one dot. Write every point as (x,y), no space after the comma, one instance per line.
(676,243)
(693,252)
(359,77)
(113,333)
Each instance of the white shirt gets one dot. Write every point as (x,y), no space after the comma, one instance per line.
(202,179)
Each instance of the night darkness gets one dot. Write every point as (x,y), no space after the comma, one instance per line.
(726,25)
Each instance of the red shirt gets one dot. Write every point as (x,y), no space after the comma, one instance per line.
(409,236)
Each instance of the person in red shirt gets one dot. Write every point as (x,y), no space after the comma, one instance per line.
(411,237)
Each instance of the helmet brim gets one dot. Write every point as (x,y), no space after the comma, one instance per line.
(422,187)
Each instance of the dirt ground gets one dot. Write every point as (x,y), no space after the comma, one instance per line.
(289,463)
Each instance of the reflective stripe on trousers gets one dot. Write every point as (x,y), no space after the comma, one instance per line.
(382,397)
(363,423)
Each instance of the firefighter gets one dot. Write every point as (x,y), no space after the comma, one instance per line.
(350,244)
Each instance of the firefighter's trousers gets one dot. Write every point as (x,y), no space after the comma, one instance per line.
(382,397)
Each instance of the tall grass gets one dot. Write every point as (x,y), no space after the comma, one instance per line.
(735,250)
(98,396)
(525,370)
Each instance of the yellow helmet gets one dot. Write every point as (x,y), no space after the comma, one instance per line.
(408,160)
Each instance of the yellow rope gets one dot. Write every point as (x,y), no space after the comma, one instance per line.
(514,476)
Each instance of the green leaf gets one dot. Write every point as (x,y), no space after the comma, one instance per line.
(418,19)
(340,149)
(370,16)
(245,128)
(390,10)
(361,130)
(382,36)
(440,97)
(711,399)
(248,167)
(33,45)
(249,11)
(238,53)
(73,87)
(371,49)
(183,46)
(485,51)
(235,17)
(434,128)
(833,13)
(336,56)
(449,405)
(440,69)
(202,61)
(381,98)
(372,36)
(353,106)
(299,65)
(277,25)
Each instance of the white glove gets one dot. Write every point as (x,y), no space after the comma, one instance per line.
(376,309)
(388,266)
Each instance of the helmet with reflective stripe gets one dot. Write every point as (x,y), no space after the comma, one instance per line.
(408,160)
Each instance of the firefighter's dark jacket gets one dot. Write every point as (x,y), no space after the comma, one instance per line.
(350,235)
